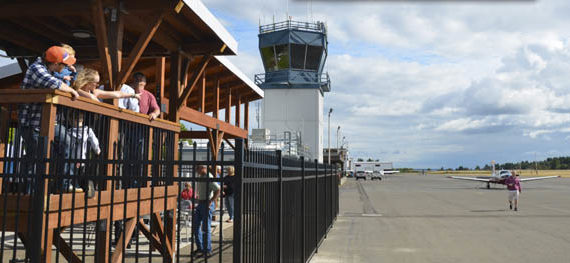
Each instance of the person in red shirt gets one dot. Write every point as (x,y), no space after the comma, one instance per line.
(514,186)
(187,195)
(147,102)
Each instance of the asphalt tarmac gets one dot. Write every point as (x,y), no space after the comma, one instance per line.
(414,218)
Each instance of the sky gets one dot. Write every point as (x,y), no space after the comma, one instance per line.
(433,84)
(436,84)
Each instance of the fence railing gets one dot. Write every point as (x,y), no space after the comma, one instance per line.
(287,207)
(63,200)
(293,25)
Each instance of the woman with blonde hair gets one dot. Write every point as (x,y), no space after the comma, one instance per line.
(86,85)
(228,192)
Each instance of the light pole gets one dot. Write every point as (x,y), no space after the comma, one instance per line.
(330,111)
(337,137)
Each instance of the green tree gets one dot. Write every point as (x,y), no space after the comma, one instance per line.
(183,128)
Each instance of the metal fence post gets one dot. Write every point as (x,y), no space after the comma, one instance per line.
(327,175)
(316,205)
(303,214)
(238,201)
(36,217)
(280,211)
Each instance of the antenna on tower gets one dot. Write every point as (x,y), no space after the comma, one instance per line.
(287,14)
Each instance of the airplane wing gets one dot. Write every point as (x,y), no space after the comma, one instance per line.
(538,178)
(470,178)
(391,172)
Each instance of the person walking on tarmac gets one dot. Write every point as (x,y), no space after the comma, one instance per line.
(514,186)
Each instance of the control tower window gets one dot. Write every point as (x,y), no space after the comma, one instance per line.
(268,57)
(298,56)
(282,54)
(314,54)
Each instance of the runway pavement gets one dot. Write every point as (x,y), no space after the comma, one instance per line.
(414,218)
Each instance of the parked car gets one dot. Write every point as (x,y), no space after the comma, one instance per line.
(376,175)
(360,175)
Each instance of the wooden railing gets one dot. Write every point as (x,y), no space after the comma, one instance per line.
(133,151)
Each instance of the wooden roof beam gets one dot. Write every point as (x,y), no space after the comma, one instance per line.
(201,119)
(204,48)
(144,39)
(198,71)
(99,22)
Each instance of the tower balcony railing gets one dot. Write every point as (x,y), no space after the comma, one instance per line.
(318,27)
(293,76)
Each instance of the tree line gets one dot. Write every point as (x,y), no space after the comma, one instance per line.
(552,163)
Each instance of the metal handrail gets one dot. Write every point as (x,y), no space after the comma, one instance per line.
(290,24)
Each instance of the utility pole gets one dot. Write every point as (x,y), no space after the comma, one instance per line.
(330,111)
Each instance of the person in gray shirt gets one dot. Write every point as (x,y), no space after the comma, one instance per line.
(206,193)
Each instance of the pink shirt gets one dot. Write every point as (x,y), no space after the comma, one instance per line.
(147,103)
(513,183)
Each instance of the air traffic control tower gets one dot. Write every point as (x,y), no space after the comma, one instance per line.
(294,55)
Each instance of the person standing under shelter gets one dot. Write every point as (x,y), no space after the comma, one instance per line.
(40,75)
(514,186)
(228,193)
(206,193)
(86,84)
(147,102)
(131,103)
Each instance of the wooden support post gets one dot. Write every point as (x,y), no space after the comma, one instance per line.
(141,45)
(174,89)
(160,80)
(238,112)
(229,105)
(47,130)
(246,116)
(99,22)
(112,153)
(116,31)
(154,240)
(157,228)
(198,71)
(203,94)
(229,143)
(102,237)
(64,248)
(174,116)
(124,239)
(46,251)
(103,226)
(4,133)
(217,99)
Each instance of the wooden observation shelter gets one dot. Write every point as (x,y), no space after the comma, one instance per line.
(179,46)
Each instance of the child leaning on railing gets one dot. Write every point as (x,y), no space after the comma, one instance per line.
(81,136)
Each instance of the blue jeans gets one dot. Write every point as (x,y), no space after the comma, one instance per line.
(62,146)
(229,202)
(202,221)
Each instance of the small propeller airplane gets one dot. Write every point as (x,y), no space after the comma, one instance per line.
(499,178)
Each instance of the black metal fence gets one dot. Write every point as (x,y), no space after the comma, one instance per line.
(64,200)
(287,207)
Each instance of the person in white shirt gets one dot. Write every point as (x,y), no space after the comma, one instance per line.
(129,103)
(81,135)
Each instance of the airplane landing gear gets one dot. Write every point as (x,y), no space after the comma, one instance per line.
(488,186)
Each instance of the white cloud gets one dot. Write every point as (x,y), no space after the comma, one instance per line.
(439,83)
